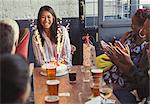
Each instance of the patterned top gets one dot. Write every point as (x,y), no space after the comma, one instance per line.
(136,50)
(50,48)
(114,75)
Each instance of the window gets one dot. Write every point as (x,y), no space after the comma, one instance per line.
(144,4)
(111,11)
(122,9)
(91,13)
(116,9)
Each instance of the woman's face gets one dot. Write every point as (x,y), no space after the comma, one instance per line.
(146,29)
(46,19)
(135,26)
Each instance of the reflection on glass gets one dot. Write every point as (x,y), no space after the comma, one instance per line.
(105,91)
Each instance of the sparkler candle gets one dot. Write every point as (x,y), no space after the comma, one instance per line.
(40,44)
(60,42)
(58,47)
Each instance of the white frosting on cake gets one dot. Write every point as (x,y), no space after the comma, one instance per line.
(61,67)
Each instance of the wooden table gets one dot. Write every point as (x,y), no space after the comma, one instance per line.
(79,92)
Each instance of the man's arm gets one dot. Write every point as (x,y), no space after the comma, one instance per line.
(139,79)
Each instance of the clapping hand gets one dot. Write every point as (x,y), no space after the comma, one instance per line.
(120,56)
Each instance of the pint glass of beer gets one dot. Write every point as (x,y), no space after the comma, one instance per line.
(97,72)
(51,71)
(53,86)
(97,75)
(94,85)
(72,75)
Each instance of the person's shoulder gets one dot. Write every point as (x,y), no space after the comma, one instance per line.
(130,35)
(125,36)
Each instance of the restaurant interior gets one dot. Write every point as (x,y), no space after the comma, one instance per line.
(89,23)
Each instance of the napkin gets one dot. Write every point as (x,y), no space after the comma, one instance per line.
(64,94)
(98,99)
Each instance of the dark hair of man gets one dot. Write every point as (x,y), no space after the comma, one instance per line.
(53,28)
(14,78)
(6,38)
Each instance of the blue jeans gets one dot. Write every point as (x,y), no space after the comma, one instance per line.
(124,96)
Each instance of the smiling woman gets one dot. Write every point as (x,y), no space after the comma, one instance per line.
(49,34)
(46,20)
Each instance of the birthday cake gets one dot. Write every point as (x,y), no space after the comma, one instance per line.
(61,69)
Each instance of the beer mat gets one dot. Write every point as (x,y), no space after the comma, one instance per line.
(64,94)
(98,99)
(51,98)
(43,73)
(58,74)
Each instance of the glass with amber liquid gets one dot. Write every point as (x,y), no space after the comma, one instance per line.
(94,85)
(51,71)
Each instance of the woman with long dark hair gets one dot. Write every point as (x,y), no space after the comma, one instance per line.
(49,32)
(137,77)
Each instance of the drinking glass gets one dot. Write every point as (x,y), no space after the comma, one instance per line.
(72,75)
(105,91)
(86,73)
(94,85)
(51,71)
(53,89)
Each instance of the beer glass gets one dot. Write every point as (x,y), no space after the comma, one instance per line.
(105,91)
(72,75)
(86,73)
(51,71)
(94,85)
(97,72)
(53,88)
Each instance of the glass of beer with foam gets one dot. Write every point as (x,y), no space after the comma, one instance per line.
(51,71)
(53,89)
(53,86)
(94,85)
(97,72)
